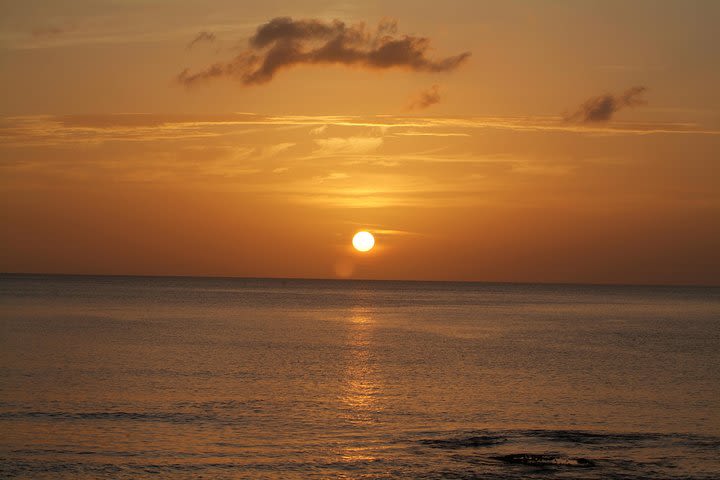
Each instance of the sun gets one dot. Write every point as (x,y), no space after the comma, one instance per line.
(363,241)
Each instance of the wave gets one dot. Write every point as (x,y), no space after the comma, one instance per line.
(556,453)
(474,441)
(174,417)
(455,454)
(545,460)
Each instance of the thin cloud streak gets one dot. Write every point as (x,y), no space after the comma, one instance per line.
(61,130)
(51,31)
(429,134)
(344,146)
(201,37)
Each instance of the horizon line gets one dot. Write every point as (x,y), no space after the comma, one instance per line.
(488,282)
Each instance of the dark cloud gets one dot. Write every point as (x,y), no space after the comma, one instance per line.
(426,98)
(201,37)
(284,42)
(603,107)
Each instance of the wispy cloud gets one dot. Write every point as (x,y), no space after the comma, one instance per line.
(388,232)
(383,230)
(267,156)
(348,145)
(318,130)
(272,150)
(603,107)
(48,130)
(425,99)
(331,176)
(201,37)
(50,31)
(413,133)
(284,42)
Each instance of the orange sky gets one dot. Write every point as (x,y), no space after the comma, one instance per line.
(492,141)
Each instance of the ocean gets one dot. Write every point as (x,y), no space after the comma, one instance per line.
(135,377)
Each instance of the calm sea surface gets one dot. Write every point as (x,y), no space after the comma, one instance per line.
(119,377)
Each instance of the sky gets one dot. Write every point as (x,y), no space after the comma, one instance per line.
(509,141)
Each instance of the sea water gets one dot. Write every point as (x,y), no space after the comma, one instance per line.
(133,377)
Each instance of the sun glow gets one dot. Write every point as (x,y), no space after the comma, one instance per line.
(363,241)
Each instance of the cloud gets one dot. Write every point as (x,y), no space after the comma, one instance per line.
(425,99)
(349,145)
(51,130)
(603,107)
(50,31)
(318,130)
(283,43)
(201,37)
(414,133)
(272,150)
(387,232)
(330,177)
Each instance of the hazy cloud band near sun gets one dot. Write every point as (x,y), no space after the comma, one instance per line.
(283,42)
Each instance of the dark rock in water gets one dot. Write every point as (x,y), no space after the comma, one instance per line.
(464,442)
(545,460)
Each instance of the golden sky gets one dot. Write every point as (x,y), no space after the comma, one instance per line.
(520,141)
